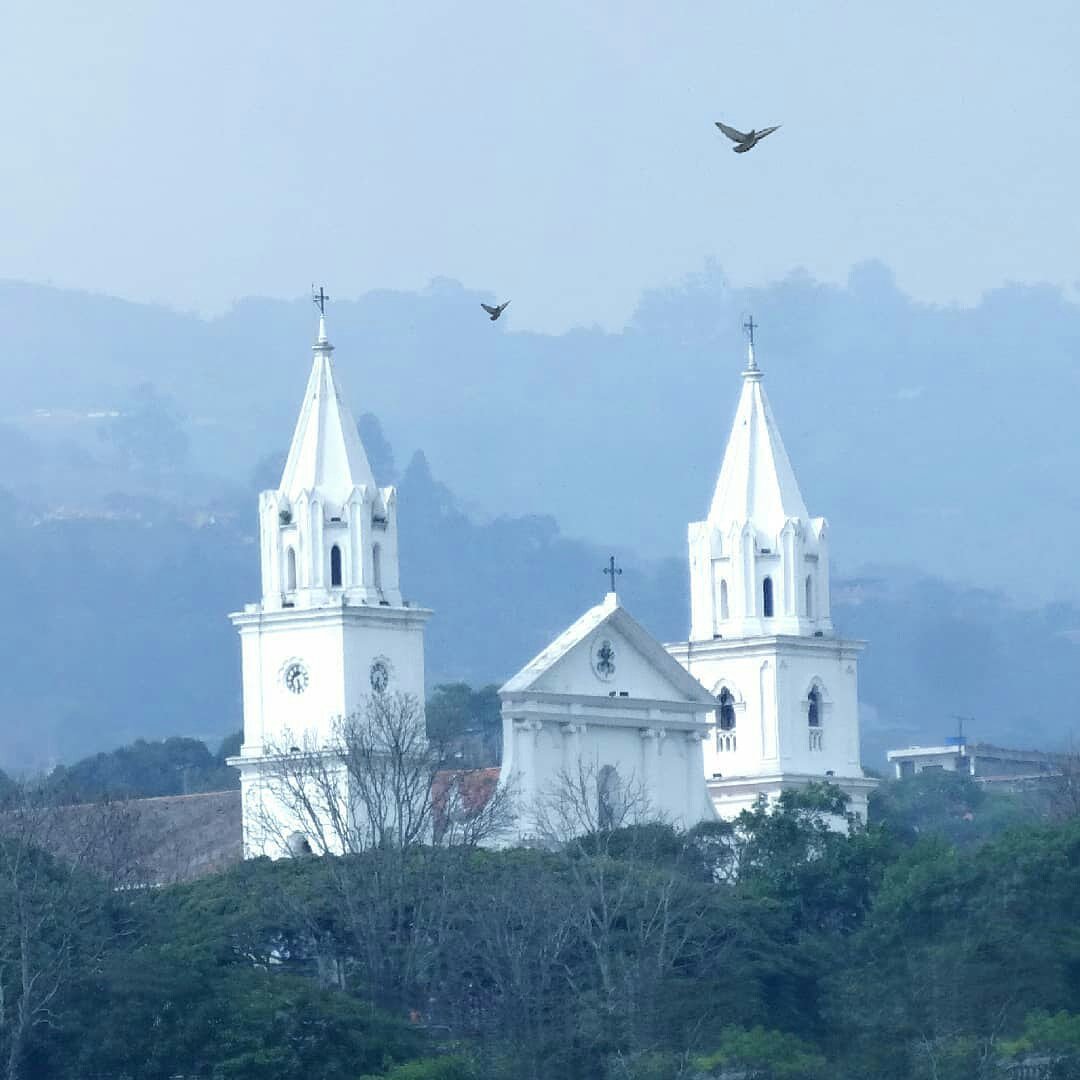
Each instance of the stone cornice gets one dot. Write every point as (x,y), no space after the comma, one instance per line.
(591,701)
(336,615)
(612,712)
(844,648)
(790,779)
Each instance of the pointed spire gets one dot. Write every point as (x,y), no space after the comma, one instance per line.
(326,455)
(757,483)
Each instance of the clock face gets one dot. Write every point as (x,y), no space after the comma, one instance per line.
(380,675)
(603,659)
(295,677)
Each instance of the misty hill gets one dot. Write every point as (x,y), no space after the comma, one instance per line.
(135,441)
(942,438)
(118,630)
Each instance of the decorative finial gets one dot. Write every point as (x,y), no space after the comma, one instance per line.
(751,367)
(612,571)
(319,299)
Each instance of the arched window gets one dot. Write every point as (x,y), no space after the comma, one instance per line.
(723,599)
(607,798)
(376,566)
(290,570)
(767,598)
(335,565)
(813,711)
(726,712)
(809,597)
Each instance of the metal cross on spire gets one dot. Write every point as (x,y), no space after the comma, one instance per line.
(612,571)
(319,299)
(750,326)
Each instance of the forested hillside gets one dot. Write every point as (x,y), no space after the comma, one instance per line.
(902,419)
(137,440)
(122,631)
(938,943)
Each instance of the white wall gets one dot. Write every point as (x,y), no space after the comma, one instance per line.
(337,646)
(271,712)
(401,643)
(654,751)
(770,680)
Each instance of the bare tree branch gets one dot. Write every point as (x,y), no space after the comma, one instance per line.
(377,782)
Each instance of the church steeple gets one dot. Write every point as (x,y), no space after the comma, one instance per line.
(756,482)
(761,639)
(331,633)
(326,454)
(329,532)
(759,562)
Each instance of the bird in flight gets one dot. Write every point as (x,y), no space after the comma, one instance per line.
(496,311)
(744,140)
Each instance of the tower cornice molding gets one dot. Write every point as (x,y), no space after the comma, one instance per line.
(576,708)
(769,644)
(336,615)
(783,779)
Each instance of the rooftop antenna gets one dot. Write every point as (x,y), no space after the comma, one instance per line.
(960,721)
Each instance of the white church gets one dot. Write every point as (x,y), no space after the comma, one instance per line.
(761,697)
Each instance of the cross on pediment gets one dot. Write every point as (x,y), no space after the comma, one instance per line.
(612,571)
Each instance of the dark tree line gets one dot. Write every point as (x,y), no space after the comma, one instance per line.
(466,721)
(769,947)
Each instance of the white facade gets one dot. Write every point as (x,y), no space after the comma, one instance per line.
(606,710)
(331,627)
(761,633)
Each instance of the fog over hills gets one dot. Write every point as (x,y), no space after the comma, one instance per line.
(939,441)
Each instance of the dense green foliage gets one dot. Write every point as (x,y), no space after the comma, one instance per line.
(773,947)
(467,722)
(145,769)
(954,807)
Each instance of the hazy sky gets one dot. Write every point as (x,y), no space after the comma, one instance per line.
(561,153)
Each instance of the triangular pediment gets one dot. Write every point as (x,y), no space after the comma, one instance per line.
(608,653)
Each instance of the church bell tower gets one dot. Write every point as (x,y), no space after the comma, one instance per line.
(761,633)
(331,627)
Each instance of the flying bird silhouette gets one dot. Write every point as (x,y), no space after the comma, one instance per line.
(744,140)
(496,311)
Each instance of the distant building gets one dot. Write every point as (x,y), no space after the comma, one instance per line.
(986,763)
